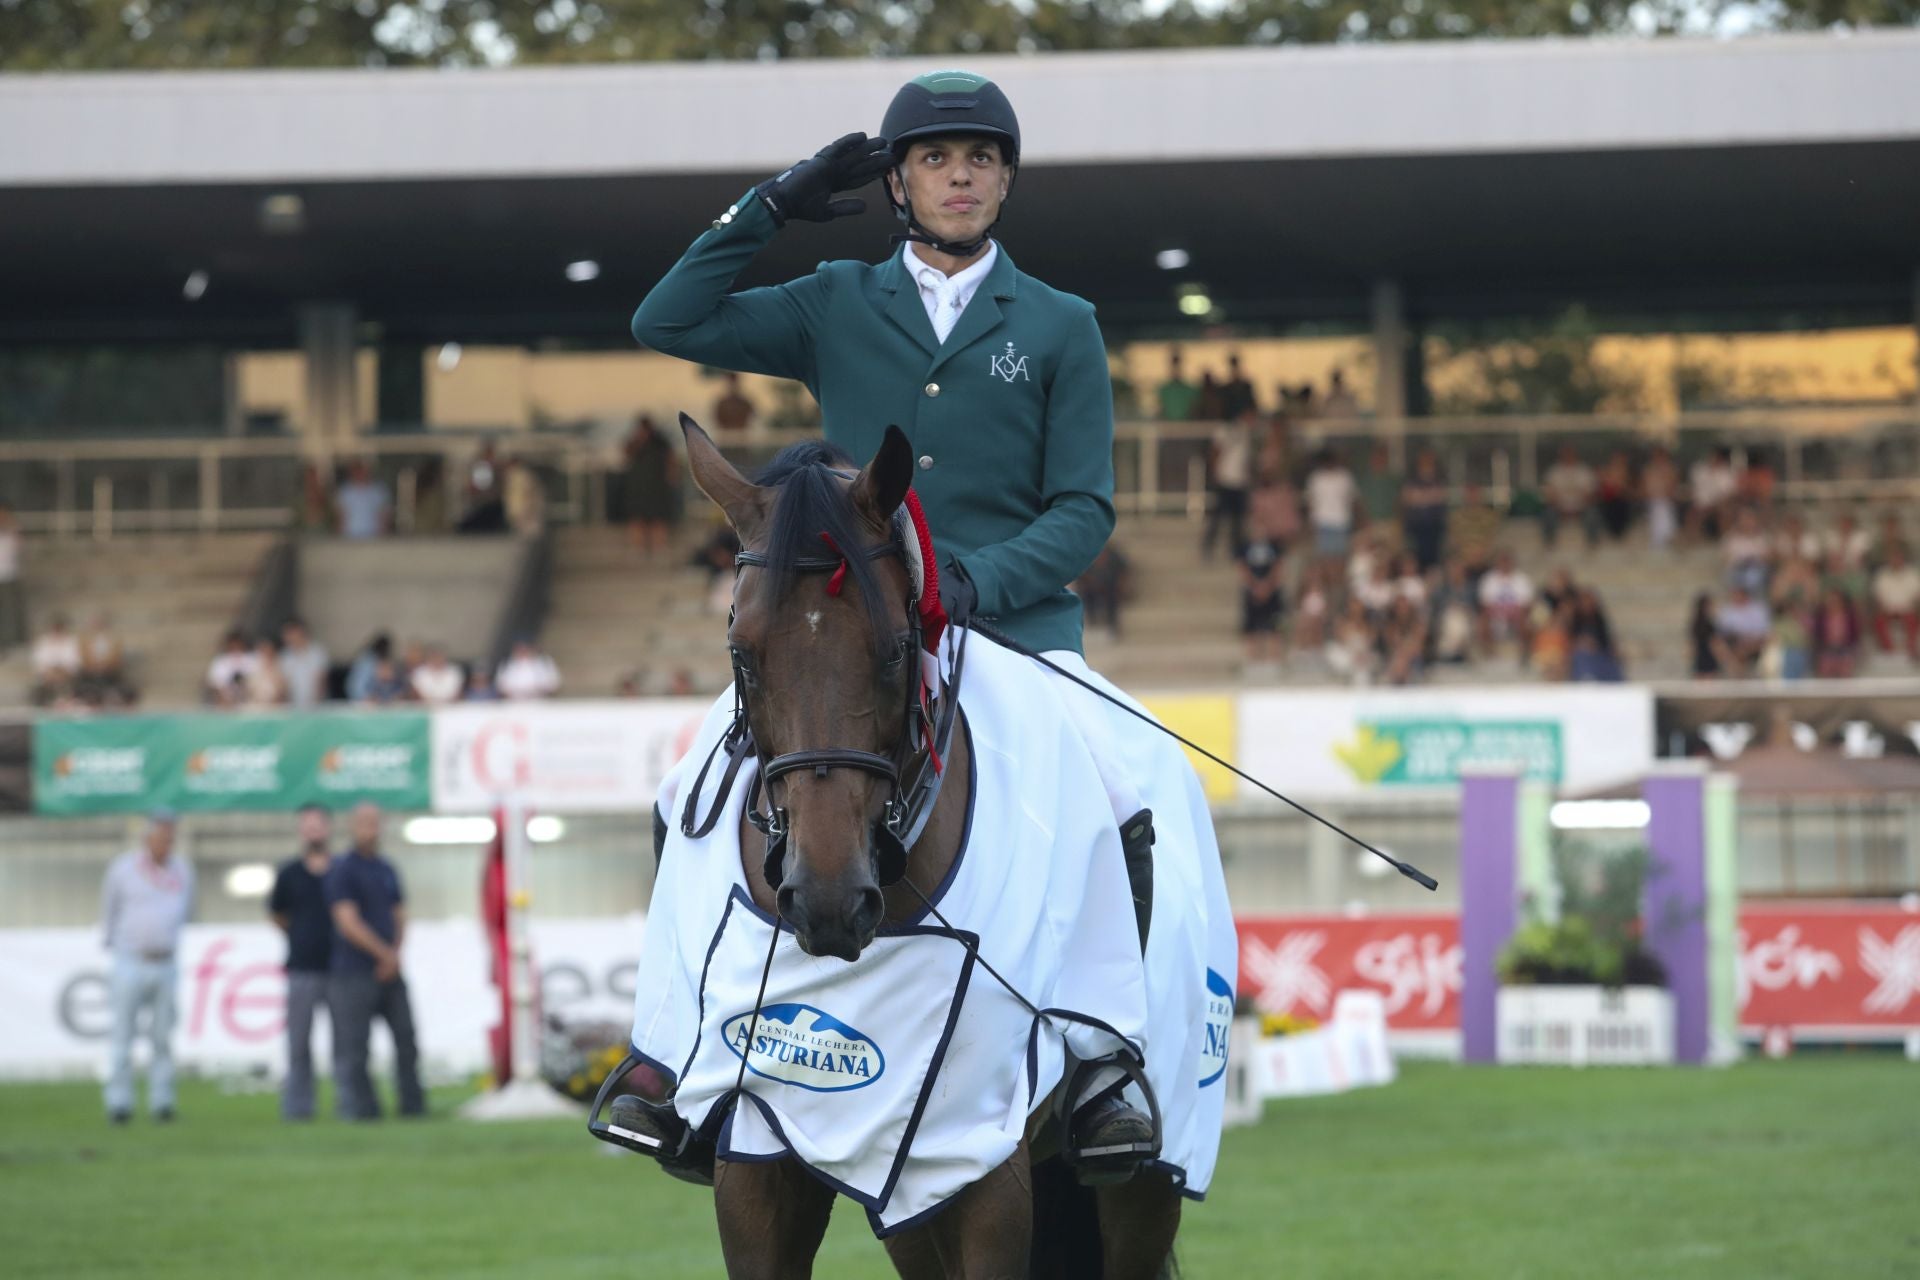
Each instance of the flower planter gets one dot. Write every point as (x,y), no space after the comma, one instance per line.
(1585,1026)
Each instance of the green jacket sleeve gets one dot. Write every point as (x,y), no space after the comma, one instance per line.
(690,314)
(1076,518)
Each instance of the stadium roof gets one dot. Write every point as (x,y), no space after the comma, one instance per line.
(1764,174)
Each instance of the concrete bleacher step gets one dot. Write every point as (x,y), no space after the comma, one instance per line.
(447,591)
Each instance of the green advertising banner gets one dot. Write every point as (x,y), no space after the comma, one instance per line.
(235,761)
(1432,752)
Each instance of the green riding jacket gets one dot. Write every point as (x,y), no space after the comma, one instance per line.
(1011,418)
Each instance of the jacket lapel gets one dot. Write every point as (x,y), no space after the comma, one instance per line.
(983,311)
(905,308)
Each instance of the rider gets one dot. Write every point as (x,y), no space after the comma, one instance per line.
(1000,381)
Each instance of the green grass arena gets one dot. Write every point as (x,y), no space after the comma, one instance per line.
(1808,1167)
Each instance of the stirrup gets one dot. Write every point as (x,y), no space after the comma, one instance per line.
(1114,1162)
(649,1128)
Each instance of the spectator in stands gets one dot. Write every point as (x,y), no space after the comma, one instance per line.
(313,507)
(1319,605)
(227,674)
(1704,637)
(1274,505)
(1353,649)
(1846,576)
(1896,599)
(387,684)
(13,605)
(525,498)
(1836,636)
(1340,402)
(1559,589)
(1755,487)
(360,675)
(1551,651)
(1263,599)
(1570,487)
(480,685)
(436,681)
(1236,393)
(1892,534)
(1743,623)
(648,486)
(1660,487)
(1850,542)
(364,504)
(103,667)
(265,682)
(1229,477)
(1103,588)
(733,412)
(527,673)
(1748,551)
(1423,510)
(298,906)
(485,509)
(1374,585)
(145,903)
(1452,613)
(1409,582)
(56,663)
(304,663)
(1789,654)
(1712,484)
(369,913)
(1472,529)
(1379,488)
(1506,602)
(1331,495)
(1615,496)
(1793,541)
(1211,405)
(1594,655)
(1403,641)
(1177,396)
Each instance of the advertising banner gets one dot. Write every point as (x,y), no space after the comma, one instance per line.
(230,1001)
(125,764)
(1373,742)
(560,757)
(1811,967)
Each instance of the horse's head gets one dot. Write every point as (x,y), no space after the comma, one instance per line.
(825,662)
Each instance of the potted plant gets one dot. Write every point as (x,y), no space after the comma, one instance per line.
(1578,985)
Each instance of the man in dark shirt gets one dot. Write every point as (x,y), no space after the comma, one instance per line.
(369,923)
(299,907)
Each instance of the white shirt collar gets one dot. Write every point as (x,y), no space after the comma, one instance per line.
(944,296)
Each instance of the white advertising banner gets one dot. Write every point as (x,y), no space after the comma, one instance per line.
(1383,742)
(230,1004)
(559,757)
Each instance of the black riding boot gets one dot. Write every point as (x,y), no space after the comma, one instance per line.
(1108,1138)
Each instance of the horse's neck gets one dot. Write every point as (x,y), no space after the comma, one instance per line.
(928,861)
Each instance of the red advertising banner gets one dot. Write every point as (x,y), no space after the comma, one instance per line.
(1833,965)
(1830,965)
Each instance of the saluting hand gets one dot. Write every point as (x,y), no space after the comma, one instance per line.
(805,191)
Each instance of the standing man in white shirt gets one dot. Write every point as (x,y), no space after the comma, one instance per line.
(144,904)
(1331,492)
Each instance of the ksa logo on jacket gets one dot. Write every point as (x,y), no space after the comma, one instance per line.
(800,1045)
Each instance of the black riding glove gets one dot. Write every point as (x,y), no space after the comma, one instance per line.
(805,191)
(958,597)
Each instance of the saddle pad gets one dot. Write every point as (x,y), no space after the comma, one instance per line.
(934,1067)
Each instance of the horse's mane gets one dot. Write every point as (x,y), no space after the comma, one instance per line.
(813,500)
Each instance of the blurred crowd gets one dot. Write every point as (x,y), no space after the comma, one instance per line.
(295,670)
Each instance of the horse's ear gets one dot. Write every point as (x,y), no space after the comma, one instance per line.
(744,501)
(883,485)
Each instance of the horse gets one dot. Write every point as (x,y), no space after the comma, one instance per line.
(828,675)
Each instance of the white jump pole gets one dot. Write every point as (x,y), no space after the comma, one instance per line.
(525,1096)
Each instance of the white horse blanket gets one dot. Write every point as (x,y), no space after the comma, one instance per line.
(904,1076)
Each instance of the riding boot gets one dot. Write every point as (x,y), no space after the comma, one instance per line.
(653,1129)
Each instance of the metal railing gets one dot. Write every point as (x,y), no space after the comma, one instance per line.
(100,488)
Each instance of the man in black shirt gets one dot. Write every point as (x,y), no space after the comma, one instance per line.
(369,926)
(299,907)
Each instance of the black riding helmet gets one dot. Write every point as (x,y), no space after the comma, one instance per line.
(941,104)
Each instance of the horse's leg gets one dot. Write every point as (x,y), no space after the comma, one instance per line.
(982,1235)
(1138,1220)
(772,1217)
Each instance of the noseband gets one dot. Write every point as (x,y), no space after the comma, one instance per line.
(914,776)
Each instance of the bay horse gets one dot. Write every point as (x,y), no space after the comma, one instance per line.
(827,674)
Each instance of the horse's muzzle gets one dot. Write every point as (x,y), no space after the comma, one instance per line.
(829,920)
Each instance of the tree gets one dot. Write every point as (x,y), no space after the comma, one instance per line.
(74,35)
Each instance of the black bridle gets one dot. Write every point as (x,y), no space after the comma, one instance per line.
(914,771)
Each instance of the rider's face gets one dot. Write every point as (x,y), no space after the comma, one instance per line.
(956,185)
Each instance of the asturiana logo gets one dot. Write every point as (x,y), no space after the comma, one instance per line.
(801,1045)
(1213,1053)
